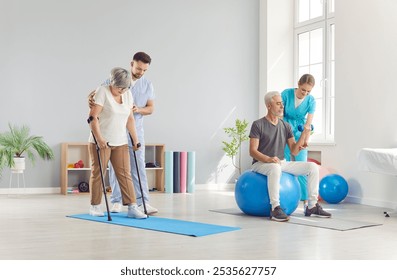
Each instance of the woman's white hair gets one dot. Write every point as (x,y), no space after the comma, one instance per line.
(119,77)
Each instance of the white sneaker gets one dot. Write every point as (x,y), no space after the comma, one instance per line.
(134,212)
(95,210)
(149,209)
(116,208)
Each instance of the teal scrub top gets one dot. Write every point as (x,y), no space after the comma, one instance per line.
(297,116)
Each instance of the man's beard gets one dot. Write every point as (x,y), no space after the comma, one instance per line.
(136,76)
(277,114)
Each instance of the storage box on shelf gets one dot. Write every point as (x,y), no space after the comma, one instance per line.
(73,152)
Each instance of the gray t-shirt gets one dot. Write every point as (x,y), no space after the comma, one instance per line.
(272,138)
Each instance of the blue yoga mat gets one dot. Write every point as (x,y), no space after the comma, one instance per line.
(159,224)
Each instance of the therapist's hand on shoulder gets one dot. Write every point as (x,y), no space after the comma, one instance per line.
(91,99)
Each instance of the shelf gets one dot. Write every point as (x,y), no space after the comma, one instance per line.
(154,153)
(72,152)
(78,169)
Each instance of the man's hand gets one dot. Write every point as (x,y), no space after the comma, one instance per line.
(91,99)
(273,160)
(303,147)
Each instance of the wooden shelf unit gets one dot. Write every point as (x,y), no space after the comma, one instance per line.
(72,152)
(154,153)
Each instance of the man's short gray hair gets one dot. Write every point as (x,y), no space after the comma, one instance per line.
(269,96)
(119,77)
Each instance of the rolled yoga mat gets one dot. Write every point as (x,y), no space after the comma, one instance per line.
(183,168)
(169,171)
(177,172)
(191,169)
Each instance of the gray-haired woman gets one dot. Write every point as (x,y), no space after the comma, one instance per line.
(110,117)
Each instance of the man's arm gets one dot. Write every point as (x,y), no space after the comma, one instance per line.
(254,144)
(147,110)
(296,147)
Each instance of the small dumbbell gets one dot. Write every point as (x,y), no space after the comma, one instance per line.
(300,127)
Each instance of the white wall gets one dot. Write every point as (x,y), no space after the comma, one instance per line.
(365,95)
(279,49)
(204,69)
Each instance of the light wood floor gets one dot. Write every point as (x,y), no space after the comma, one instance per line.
(35,227)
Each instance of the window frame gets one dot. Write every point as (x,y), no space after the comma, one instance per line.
(325,83)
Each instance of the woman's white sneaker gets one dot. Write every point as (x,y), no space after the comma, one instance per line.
(95,210)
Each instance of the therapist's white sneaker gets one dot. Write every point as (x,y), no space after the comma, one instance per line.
(149,209)
(116,208)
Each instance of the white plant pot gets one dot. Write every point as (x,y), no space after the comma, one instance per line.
(19,166)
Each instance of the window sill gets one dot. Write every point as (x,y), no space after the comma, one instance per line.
(314,146)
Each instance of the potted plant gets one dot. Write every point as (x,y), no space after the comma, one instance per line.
(238,135)
(16,143)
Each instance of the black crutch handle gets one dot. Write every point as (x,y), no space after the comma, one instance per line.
(138,145)
(89,120)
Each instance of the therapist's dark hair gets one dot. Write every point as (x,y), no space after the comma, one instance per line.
(307,79)
(141,56)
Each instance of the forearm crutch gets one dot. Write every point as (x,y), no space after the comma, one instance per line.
(100,169)
(137,171)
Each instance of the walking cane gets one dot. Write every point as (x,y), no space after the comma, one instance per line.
(100,168)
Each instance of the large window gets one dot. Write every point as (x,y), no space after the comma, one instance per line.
(314,53)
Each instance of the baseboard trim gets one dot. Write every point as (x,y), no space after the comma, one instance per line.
(371,202)
(30,190)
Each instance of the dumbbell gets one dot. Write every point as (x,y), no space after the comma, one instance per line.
(300,127)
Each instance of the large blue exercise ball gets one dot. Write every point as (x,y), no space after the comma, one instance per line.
(333,188)
(252,196)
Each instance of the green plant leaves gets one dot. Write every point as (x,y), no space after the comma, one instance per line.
(238,135)
(17,143)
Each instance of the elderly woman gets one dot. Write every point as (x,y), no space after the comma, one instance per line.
(110,116)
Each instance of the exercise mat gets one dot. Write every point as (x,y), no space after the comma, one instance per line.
(160,224)
(333,223)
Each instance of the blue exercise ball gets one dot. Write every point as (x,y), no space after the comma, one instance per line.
(252,196)
(333,188)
